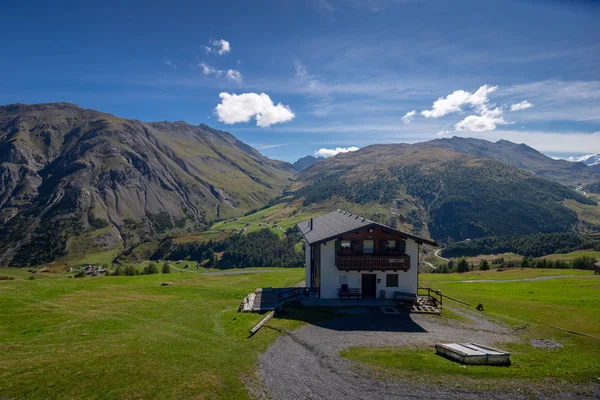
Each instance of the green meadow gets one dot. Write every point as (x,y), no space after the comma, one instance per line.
(130,337)
(532,308)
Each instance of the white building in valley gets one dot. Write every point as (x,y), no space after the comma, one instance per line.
(350,256)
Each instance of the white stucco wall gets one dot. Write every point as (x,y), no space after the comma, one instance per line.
(408,280)
(331,278)
(329,273)
(307,265)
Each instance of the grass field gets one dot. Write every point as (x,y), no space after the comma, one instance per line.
(570,303)
(574,254)
(129,337)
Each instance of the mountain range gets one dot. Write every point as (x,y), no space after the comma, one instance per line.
(68,171)
(591,160)
(443,193)
(75,179)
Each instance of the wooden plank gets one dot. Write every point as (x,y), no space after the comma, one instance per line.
(262,323)
(576,333)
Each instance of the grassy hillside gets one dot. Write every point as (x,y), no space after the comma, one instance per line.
(524,157)
(69,174)
(456,196)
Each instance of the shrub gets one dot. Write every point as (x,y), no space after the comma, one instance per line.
(166,268)
(150,269)
(484,265)
(118,272)
(31,278)
(130,271)
(80,274)
(6,278)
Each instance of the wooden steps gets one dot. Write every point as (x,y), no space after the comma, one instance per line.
(425,305)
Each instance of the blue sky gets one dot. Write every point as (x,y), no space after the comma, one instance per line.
(335,73)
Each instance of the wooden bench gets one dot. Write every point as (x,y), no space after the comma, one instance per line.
(405,297)
(349,293)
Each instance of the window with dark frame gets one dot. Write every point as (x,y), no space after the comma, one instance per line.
(391,280)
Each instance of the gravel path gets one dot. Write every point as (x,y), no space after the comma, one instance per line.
(541,278)
(305,364)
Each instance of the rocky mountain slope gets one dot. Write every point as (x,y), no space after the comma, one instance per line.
(567,173)
(70,173)
(305,162)
(448,194)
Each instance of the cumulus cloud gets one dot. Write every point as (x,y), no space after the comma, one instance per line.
(219,47)
(332,152)
(454,101)
(234,75)
(408,117)
(524,105)
(236,108)
(487,120)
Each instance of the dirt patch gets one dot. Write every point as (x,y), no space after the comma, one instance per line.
(545,344)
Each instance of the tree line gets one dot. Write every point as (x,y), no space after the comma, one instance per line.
(462,265)
(537,245)
(263,248)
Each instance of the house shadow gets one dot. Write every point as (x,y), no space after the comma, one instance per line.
(364,319)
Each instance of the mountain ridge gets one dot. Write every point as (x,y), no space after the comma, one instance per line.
(80,170)
(441,193)
(524,157)
(304,162)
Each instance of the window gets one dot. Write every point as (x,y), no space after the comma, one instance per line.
(390,244)
(343,246)
(368,247)
(391,280)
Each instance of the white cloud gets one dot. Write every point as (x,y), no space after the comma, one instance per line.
(454,101)
(234,75)
(332,152)
(219,47)
(270,146)
(408,117)
(487,120)
(236,108)
(231,74)
(524,105)
(207,69)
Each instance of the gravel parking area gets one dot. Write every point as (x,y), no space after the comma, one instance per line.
(305,364)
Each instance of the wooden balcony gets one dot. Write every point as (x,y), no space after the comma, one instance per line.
(372,262)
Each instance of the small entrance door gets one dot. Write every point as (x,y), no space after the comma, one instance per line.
(369,285)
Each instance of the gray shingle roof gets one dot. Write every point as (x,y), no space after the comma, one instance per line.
(328,226)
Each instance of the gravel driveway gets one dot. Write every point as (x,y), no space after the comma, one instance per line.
(305,364)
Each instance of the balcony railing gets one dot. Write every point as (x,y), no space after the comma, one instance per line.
(372,263)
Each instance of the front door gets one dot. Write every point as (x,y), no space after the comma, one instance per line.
(369,285)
